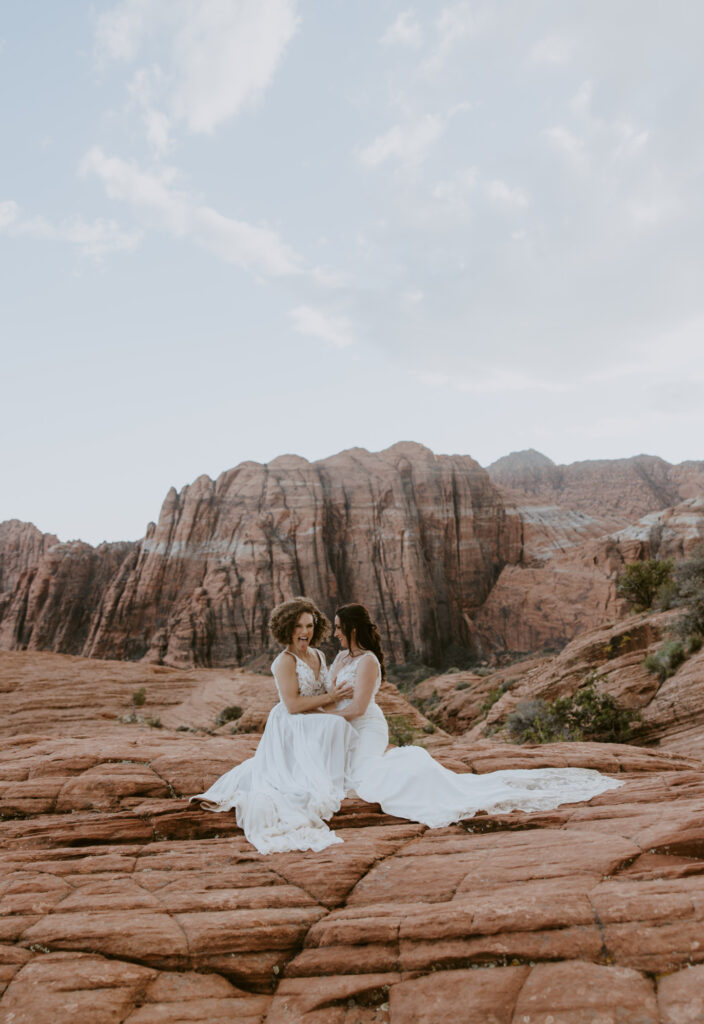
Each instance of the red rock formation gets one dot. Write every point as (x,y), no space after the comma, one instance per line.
(672,711)
(120,902)
(417,537)
(426,541)
(55,600)
(544,602)
(21,547)
(621,489)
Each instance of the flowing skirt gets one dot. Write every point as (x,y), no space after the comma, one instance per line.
(297,778)
(409,783)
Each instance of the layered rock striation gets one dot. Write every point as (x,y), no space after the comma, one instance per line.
(452,565)
(419,538)
(622,490)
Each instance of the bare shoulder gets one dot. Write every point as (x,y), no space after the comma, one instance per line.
(284,664)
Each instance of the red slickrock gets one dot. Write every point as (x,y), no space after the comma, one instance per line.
(120,903)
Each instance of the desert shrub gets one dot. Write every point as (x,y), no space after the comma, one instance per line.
(407,676)
(153,722)
(493,696)
(228,714)
(664,662)
(694,643)
(139,697)
(640,582)
(689,584)
(588,715)
(401,731)
(463,686)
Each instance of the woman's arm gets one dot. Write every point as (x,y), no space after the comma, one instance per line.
(367,675)
(288,688)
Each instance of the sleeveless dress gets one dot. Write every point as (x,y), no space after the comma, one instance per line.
(409,783)
(297,777)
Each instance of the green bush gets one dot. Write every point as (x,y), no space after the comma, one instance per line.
(640,582)
(139,697)
(665,662)
(493,696)
(463,686)
(587,715)
(689,583)
(229,714)
(401,731)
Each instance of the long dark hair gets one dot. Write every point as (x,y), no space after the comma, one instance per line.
(356,617)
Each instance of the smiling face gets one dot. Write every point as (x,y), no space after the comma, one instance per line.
(303,632)
(339,634)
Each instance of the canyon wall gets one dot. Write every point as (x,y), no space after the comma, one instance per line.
(417,537)
(453,565)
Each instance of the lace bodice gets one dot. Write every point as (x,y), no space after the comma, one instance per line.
(348,673)
(308,685)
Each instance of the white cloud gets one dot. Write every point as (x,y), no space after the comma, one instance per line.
(404,31)
(455,192)
(220,54)
(319,324)
(552,49)
(408,143)
(456,23)
(94,238)
(501,193)
(565,142)
(145,85)
(581,102)
(254,248)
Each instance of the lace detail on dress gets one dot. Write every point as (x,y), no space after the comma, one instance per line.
(348,673)
(308,685)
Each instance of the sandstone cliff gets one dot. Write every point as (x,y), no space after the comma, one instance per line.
(417,537)
(620,489)
(21,547)
(452,565)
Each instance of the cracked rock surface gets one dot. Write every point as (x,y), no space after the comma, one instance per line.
(122,904)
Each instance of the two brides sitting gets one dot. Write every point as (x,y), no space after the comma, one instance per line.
(327,738)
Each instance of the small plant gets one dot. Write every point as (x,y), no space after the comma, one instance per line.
(689,581)
(493,696)
(665,661)
(152,722)
(588,715)
(228,714)
(640,582)
(139,697)
(694,643)
(401,731)
(463,686)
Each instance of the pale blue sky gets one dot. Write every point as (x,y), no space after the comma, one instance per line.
(231,229)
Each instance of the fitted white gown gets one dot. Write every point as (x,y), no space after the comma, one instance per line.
(409,783)
(306,764)
(297,778)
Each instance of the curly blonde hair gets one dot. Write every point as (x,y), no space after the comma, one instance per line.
(285,616)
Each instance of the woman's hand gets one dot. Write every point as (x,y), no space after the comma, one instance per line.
(341,691)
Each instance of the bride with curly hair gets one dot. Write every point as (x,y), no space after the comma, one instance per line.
(300,772)
(327,738)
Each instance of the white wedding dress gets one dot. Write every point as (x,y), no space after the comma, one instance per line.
(306,764)
(409,783)
(297,778)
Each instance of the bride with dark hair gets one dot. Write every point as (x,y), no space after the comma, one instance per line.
(327,738)
(407,781)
